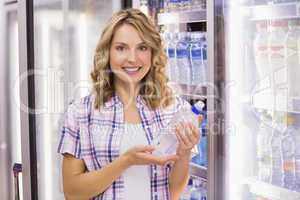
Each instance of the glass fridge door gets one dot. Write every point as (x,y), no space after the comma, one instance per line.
(65,34)
(262,59)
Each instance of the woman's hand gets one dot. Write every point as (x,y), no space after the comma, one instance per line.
(141,155)
(188,136)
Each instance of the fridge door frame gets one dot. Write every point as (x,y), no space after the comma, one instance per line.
(27,95)
(216,100)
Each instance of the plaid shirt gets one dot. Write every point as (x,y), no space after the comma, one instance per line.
(95,137)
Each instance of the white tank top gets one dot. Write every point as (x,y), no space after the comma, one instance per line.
(136,178)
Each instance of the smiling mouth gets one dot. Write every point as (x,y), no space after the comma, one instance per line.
(131,69)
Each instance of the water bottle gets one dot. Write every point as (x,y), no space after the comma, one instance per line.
(288,155)
(198,4)
(263,149)
(196,192)
(185,5)
(166,142)
(183,60)
(186,194)
(166,38)
(172,58)
(276,153)
(204,58)
(174,5)
(197,65)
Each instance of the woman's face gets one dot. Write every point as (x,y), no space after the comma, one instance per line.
(130,57)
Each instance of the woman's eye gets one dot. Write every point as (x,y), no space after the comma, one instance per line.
(143,48)
(120,48)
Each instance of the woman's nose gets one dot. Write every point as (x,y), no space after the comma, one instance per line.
(132,56)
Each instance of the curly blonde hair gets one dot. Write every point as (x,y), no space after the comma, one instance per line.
(153,87)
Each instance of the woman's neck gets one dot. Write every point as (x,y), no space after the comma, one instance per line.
(127,93)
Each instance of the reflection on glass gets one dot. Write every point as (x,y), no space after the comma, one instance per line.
(65,37)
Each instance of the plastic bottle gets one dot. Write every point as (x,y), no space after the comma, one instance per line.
(174,5)
(276,151)
(185,5)
(197,67)
(297,157)
(276,44)
(166,142)
(260,46)
(288,154)
(263,148)
(204,58)
(186,194)
(166,38)
(196,192)
(292,59)
(172,58)
(183,60)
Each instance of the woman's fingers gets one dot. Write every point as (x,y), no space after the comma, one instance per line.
(151,159)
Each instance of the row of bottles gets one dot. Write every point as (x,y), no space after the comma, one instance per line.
(195,190)
(187,57)
(261,2)
(278,157)
(277,54)
(174,5)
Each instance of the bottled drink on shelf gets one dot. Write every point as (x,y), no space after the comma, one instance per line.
(292,58)
(263,149)
(204,58)
(183,59)
(261,53)
(185,5)
(197,65)
(174,5)
(297,155)
(174,68)
(276,150)
(166,38)
(198,4)
(186,194)
(288,154)
(276,43)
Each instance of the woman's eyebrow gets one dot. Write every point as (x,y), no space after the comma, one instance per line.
(125,44)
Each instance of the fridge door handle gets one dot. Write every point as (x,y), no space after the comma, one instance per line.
(17,169)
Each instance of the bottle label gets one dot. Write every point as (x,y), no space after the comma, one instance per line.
(181,53)
(174,1)
(171,53)
(196,54)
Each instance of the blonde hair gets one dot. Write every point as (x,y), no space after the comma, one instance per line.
(153,87)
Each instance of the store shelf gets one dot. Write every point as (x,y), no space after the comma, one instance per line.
(181,17)
(190,91)
(198,171)
(275,11)
(267,100)
(271,191)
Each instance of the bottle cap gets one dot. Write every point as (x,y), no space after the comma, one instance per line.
(290,120)
(198,107)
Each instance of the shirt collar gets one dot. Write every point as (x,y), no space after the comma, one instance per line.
(115,101)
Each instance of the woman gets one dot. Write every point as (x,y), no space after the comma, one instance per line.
(106,136)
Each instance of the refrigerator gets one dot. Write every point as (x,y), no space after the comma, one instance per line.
(261,99)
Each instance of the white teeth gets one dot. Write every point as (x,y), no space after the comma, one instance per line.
(131,69)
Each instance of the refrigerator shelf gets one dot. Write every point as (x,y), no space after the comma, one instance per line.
(271,191)
(275,11)
(190,91)
(181,17)
(267,101)
(198,171)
